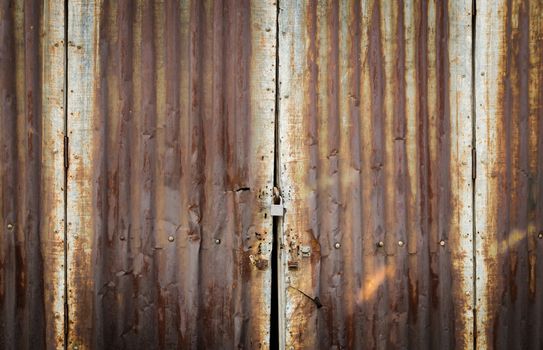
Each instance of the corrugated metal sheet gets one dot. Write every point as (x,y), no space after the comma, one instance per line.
(375,157)
(509,205)
(31,174)
(171,125)
(170,112)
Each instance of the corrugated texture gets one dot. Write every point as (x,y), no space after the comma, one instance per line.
(509,187)
(171,126)
(171,122)
(31,174)
(375,132)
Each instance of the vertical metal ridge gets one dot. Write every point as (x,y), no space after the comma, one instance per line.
(52,208)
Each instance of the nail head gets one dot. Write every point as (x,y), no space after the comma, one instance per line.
(170,238)
(540,235)
(380,244)
(442,243)
(217,241)
(122,238)
(401,243)
(337,245)
(10,226)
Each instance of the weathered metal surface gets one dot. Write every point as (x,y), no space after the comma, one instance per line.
(171,126)
(375,132)
(509,186)
(31,174)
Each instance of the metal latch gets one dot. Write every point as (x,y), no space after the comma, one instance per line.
(277,207)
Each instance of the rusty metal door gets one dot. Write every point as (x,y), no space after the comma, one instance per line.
(141,142)
(410,161)
(375,148)
(171,154)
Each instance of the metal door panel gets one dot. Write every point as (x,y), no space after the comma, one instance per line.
(171,124)
(375,132)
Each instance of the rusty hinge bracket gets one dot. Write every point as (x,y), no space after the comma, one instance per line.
(473,163)
(66,157)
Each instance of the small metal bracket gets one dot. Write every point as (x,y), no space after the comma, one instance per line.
(292,265)
(305,250)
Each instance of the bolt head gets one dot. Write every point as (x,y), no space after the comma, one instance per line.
(171,239)
(217,241)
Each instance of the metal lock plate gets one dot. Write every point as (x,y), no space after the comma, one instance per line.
(277,209)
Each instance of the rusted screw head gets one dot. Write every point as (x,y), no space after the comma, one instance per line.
(337,245)
(401,243)
(171,239)
(10,227)
(380,244)
(442,243)
(217,241)
(540,235)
